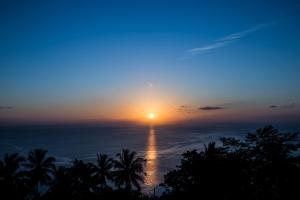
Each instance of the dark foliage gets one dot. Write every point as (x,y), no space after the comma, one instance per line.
(129,170)
(265,165)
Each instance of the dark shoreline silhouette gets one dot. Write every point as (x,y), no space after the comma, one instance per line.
(264,165)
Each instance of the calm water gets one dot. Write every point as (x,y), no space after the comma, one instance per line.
(162,147)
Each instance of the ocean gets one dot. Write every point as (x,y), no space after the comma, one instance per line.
(161,146)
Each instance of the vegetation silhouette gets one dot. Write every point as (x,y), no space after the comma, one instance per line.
(129,170)
(265,165)
(12,180)
(40,168)
(103,171)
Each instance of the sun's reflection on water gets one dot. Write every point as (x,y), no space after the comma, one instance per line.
(151,156)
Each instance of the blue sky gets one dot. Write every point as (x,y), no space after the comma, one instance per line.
(58,57)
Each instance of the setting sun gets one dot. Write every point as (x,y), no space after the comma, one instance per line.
(151,115)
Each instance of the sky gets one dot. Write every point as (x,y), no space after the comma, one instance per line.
(184,61)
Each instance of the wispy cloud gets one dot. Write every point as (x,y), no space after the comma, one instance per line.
(244,33)
(6,107)
(224,41)
(211,108)
(287,106)
(199,50)
(189,109)
(273,106)
(186,109)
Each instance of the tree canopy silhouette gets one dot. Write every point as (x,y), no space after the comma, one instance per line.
(264,165)
(40,168)
(129,170)
(12,183)
(103,170)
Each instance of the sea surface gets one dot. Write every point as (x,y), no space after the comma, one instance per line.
(161,146)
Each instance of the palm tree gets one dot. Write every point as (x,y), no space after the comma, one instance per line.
(81,175)
(10,165)
(11,177)
(40,167)
(61,186)
(129,170)
(103,170)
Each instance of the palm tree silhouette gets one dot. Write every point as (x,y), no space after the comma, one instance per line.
(10,165)
(103,170)
(61,186)
(129,170)
(81,175)
(40,168)
(12,179)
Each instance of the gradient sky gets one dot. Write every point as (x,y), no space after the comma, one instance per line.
(206,61)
